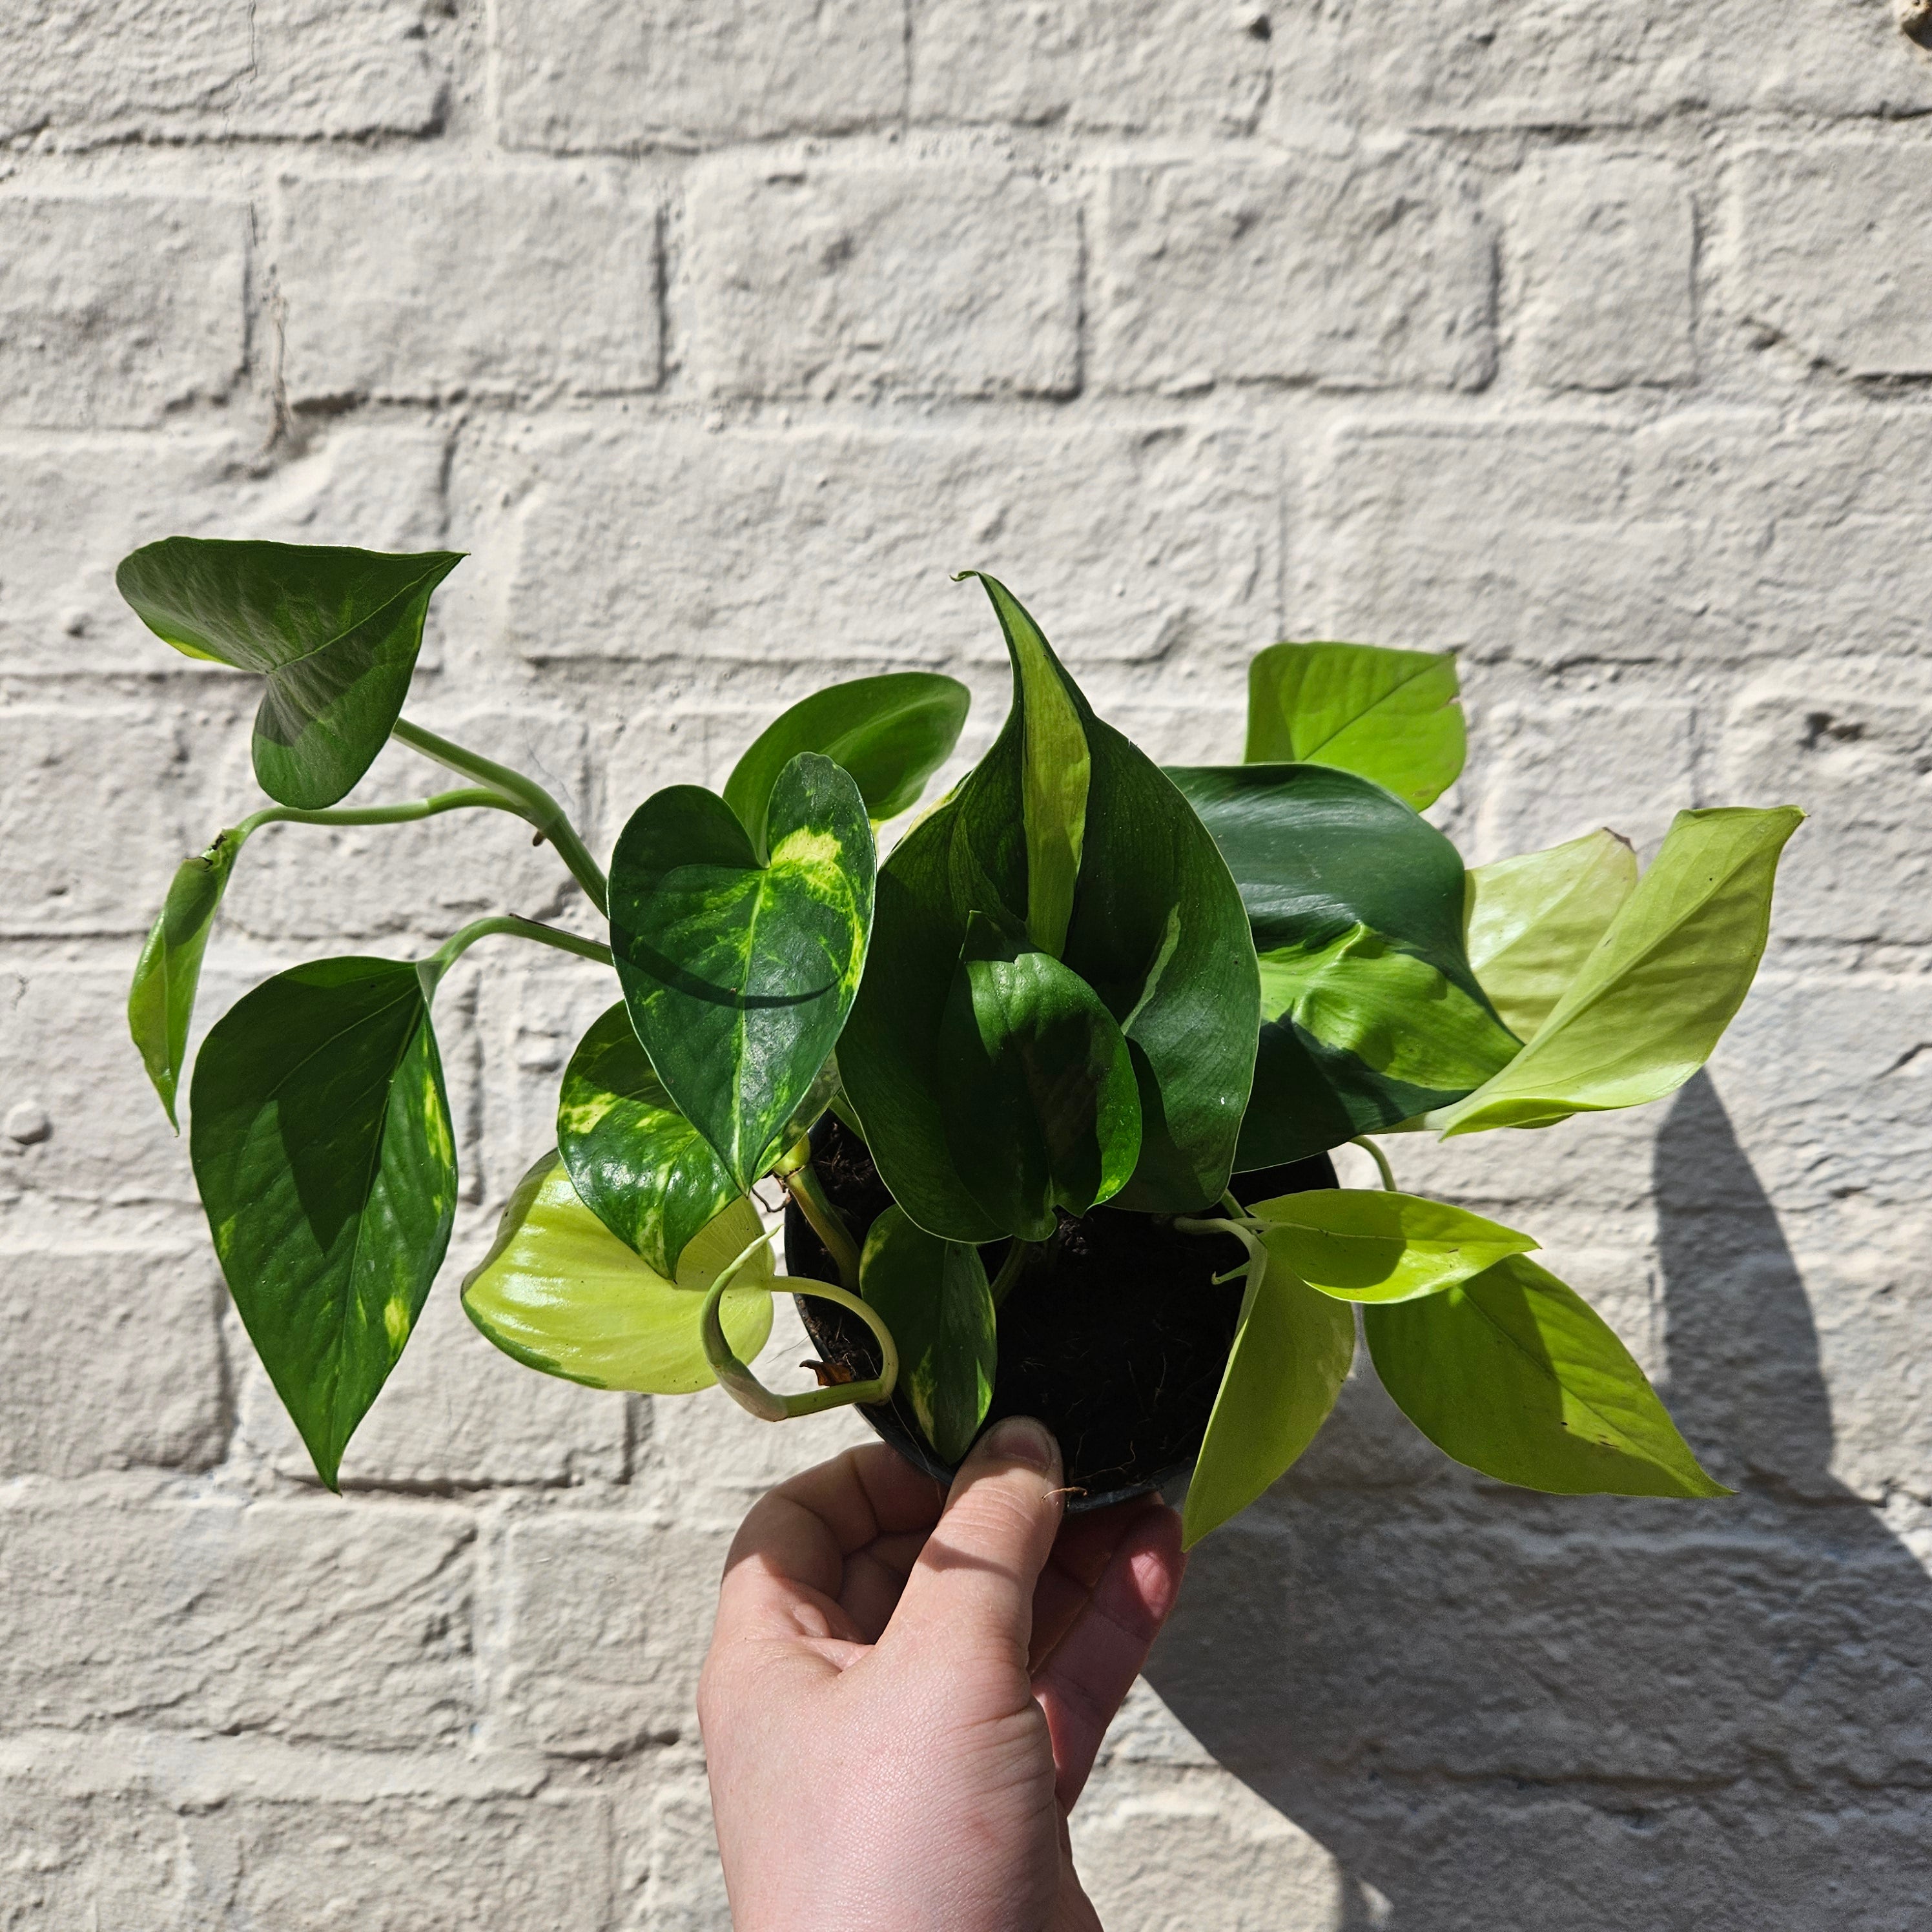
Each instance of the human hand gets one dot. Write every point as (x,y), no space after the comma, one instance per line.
(901,1706)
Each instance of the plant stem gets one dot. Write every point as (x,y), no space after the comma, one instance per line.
(371,814)
(1381,1159)
(527,798)
(801,1183)
(1013,1265)
(453,948)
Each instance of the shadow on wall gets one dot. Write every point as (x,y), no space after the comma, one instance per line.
(1518,1714)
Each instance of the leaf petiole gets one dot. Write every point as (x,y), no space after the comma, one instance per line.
(1381,1159)
(1013,1265)
(370,814)
(801,1183)
(430,970)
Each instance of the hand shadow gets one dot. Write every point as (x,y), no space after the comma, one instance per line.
(1522,1713)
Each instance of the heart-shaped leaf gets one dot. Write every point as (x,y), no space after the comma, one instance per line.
(559,1292)
(636,1162)
(1037,1090)
(160,1001)
(1529,922)
(1514,1374)
(1369,1006)
(322,1150)
(934,1297)
(1154,927)
(891,732)
(1392,716)
(335,632)
(1653,999)
(739,976)
(1291,1356)
(1373,1245)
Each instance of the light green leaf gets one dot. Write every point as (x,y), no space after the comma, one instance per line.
(1650,1003)
(636,1162)
(322,1150)
(1156,931)
(1291,1356)
(1036,1087)
(739,976)
(160,1001)
(1514,1374)
(1391,715)
(934,1297)
(559,1292)
(334,632)
(1529,922)
(890,733)
(1373,1245)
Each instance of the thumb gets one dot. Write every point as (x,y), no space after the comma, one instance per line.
(975,1577)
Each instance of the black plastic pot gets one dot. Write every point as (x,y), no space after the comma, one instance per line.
(1117,1342)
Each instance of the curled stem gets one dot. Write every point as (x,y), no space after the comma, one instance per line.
(1254,1267)
(523,796)
(1380,1159)
(372,814)
(430,970)
(800,1181)
(744,1388)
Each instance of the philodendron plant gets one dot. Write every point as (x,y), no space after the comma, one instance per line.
(1048,1089)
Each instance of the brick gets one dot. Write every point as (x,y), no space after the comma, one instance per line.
(344,67)
(115,309)
(1110,66)
(1373,271)
(344,1622)
(1604,249)
(1165,540)
(117,1860)
(115,1360)
(1832,257)
(681,1887)
(514,282)
(606,1618)
(577,75)
(1558,63)
(800,286)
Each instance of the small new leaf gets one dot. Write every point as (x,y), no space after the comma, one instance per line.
(1514,1374)
(160,1001)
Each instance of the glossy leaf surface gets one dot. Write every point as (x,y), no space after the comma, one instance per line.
(1290,1355)
(1392,716)
(1653,999)
(1042,1107)
(1155,929)
(1529,922)
(636,1162)
(934,1297)
(160,1001)
(1373,1245)
(890,733)
(558,1292)
(739,976)
(1369,1007)
(322,1150)
(334,632)
(1514,1374)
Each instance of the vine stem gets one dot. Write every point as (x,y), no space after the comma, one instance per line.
(801,1183)
(430,970)
(1013,1265)
(527,798)
(370,815)
(744,1388)
(1380,1159)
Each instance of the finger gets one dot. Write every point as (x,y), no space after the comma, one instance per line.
(874,1577)
(974,1580)
(1093,1666)
(1081,1551)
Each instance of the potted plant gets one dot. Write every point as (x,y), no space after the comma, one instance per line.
(1049,1090)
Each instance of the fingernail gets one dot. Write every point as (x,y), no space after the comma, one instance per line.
(1019,1439)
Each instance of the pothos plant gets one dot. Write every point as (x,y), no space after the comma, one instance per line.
(1049,1090)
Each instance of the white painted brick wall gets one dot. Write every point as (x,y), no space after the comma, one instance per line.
(1594,340)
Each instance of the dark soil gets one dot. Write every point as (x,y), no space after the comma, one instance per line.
(1116,1339)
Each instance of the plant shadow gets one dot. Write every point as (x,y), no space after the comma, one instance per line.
(1521,1714)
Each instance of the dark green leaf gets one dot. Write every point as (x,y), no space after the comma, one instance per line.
(558,1292)
(636,1162)
(739,976)
(934,1297)
(1374,1245)
(1392,716)
(161,1002)
(321,1146)
(334,632)
(1370,1009)
(1514,1374)
(1036,1087)
(891,732)
(1155,930)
